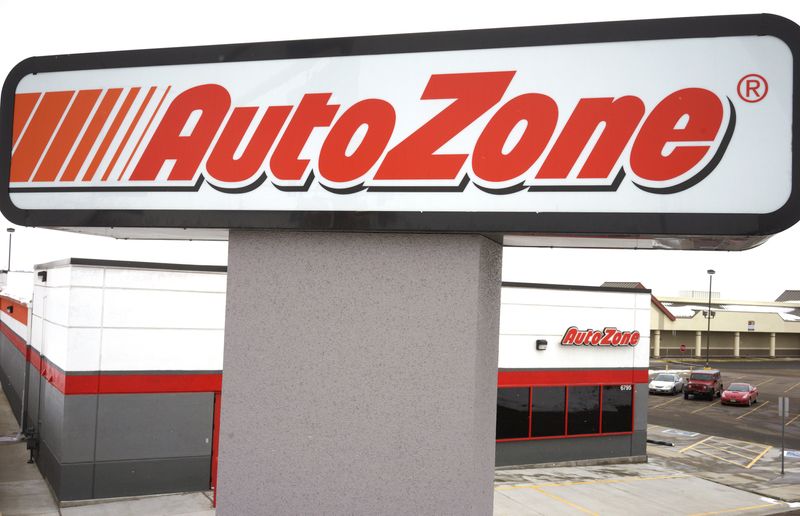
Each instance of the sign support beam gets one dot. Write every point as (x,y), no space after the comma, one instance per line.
(360,374)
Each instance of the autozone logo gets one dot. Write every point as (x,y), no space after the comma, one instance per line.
(606,337)
(142,138)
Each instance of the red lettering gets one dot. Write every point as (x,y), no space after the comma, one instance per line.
(334,163)
(414,158)
(615,340)
(635,338)
(691,116)
(607,333)
(626,338)
(222,165)
(569,337)
(313,111)
(596,336)
(540,112)
(620,118)
(168,142)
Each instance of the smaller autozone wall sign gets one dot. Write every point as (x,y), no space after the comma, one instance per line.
(664,128)
(609,336)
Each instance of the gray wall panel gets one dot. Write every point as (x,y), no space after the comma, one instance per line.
(33,396)
(562,450)
(367,362)
(150,426)
(640,406)
(12,374)
(51,417)
(639,442)
(78,428)
(131,478)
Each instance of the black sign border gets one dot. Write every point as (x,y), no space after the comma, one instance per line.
(491,223)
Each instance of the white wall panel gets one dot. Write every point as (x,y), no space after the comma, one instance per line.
(526,316)
(567,298)
(54,344)
(56,277)
(16,326)
(86,276)
(163,309)
(37,326)
(84,349)
(162,350)
(52,304)
(547,320)
(165,280)
(85,307)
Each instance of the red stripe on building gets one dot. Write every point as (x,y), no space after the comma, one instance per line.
(571,377)
(129,132)
(17,341)
(129,383)
(23,107)
(73,122)
(19,311)
(112,132)
(34,358)
(36,137)
(91,133)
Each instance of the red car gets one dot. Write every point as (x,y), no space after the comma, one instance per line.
(740,394)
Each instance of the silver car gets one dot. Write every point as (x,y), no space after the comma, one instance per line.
(666,383)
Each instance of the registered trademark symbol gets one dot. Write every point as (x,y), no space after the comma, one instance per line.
(752,88)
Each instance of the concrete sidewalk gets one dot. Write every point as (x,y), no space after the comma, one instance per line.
(629,489)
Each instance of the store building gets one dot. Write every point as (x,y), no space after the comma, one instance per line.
(738,328)
(125,370)
(573,373)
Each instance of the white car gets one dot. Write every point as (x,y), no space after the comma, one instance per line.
(666,383)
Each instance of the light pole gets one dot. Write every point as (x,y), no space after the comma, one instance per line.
(708,315)
(10,232)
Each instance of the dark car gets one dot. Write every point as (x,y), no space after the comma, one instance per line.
(740,394)
(706,383)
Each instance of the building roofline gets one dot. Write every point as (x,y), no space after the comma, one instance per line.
(663,308)
(590,288)
(125,264)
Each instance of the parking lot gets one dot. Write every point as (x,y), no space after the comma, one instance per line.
(757,424)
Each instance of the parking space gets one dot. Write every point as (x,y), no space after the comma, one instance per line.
(758,423)
(738,453)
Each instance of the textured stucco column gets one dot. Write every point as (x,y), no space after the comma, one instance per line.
(360,374)
(656,343)
(736,344)
(772,345)
(698,344)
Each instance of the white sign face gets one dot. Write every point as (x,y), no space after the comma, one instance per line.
(512,132)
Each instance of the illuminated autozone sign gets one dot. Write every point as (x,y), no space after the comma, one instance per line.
(201,136)
(519,133)
(606,337)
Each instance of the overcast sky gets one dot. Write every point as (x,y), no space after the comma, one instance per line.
(56,27)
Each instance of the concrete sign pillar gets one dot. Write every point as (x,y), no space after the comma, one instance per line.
(736,344)
(360,374)
(698,344)
(772,345)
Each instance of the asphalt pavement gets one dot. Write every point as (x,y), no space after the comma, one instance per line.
(759,423)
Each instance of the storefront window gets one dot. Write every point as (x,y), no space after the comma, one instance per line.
(617,408)
(512,412)
(547,415)
(584,410)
